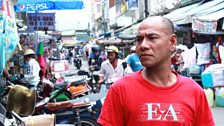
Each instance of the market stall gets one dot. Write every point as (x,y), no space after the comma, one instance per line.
(9,37)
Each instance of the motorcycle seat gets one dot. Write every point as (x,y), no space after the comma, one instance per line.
(66,104)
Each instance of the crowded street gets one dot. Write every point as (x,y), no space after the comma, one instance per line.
(217,112)
(111,62)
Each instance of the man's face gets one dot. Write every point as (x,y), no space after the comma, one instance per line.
(154,44)
(111,56)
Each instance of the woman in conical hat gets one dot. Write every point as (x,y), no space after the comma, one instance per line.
(33,69)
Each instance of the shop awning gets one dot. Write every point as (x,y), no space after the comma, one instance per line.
(106,35)
(127,37)
(207,8)
(110,41)
(214,16)
(184,15)
(176,15)
(114,42)
(208,22)
(68,41)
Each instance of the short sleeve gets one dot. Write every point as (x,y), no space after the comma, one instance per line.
(101,73)
(112,111)
(129,59)
(203,115)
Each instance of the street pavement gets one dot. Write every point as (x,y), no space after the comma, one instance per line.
(217,112)
(218,115)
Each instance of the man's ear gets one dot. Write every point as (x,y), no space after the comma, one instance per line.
(173,42)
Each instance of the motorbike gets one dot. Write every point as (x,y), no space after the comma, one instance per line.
(78,61)
(93,78)
(62,92)
(80,112)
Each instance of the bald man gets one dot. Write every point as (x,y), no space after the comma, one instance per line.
(155,95)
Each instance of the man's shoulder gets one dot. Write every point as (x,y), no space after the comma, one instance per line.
(189,83)
(105,62)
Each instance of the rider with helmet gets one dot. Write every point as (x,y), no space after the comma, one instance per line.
(94,60)
(112,68)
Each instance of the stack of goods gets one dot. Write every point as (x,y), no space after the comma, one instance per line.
(213,81)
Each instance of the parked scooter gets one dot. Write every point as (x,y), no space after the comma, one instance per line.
(80,112)
(93,78)
(63,92)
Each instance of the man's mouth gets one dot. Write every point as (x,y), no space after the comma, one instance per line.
(145,54)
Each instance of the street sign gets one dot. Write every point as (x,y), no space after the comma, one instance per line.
(41,21)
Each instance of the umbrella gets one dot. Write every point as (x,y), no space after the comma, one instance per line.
(39,5)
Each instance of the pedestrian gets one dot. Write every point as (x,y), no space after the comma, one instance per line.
(112,68)
(177,60)
(33,68)
(70,55)
(155,95)
(133,60)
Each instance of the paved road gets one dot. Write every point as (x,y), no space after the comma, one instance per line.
(218,112)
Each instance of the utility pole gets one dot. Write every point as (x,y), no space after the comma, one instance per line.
(146,9)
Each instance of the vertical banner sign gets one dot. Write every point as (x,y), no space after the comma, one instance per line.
(41,21)
(9,35)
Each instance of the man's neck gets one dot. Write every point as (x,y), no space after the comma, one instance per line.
(161,78)
(114,63)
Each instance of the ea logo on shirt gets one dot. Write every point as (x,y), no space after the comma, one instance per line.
(161,112)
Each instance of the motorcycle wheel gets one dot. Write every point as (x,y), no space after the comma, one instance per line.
(87,122)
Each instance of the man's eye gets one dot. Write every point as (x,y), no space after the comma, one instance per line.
(139,39)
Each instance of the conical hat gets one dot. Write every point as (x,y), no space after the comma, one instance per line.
(28,52)
(21,100)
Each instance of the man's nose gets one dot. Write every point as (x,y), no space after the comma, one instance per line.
(145,43)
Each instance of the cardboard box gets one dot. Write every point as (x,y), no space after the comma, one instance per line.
(40,120)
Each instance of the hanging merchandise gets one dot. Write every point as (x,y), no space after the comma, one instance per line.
(210,96)
(41,60)
(221,52)
(2,45)
(9,37)
(219,97)
(191,57)
(203,50)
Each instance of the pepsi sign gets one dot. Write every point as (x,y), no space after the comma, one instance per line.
(34,7)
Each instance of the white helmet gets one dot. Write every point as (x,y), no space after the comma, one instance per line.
(133,48)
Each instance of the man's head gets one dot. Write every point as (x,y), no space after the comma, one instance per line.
(133,49)
(155,41)
(28,54)
(112,53)
(96,50)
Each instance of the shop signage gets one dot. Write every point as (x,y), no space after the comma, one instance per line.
(35,7)
(204,26)
(41,21)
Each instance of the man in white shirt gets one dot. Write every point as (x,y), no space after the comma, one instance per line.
(112,68)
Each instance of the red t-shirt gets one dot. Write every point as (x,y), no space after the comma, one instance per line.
(133,101)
